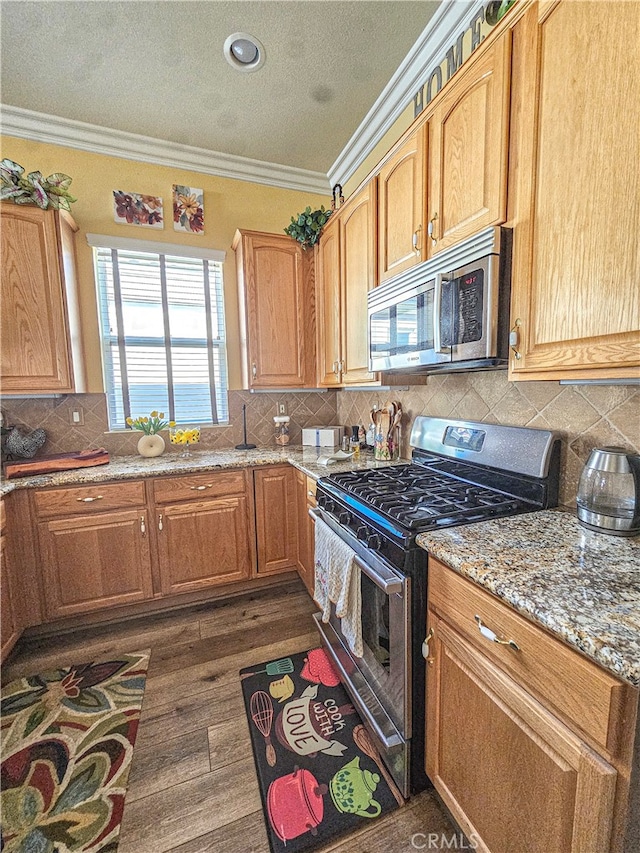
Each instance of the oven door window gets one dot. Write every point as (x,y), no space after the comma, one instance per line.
(376,627)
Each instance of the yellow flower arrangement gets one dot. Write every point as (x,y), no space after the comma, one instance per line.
(150,424)
(185,436)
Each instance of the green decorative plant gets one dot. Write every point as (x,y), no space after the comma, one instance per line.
(306,226)
(33,188)
(151,424)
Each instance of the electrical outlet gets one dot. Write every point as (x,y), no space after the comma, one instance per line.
(76,417)
(281,408)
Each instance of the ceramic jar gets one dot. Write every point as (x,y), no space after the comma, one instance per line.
(151,445)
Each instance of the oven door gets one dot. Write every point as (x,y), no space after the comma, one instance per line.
(379,681)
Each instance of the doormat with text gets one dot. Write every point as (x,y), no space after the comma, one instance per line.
(319,770)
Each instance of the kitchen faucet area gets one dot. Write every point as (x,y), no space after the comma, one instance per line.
(320,427)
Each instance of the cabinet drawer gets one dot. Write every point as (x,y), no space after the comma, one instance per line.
(199,486)
(580,691)
(79,500)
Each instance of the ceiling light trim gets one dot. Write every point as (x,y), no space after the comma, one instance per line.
(55,130)
(428,51)
(239,64)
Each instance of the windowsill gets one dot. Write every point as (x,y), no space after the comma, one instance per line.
(139,432)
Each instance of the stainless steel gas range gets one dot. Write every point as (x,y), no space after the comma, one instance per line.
(461,472)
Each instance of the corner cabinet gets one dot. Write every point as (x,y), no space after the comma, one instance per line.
(277,313)
(523,760)
(347,255)
(41,346)
(576,179)
(468,136)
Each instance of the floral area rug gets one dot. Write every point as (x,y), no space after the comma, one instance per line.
(67,744)
(320,773)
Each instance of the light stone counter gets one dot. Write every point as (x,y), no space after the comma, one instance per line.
(134,467)
(582,586)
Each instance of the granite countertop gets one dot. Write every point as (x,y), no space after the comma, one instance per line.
(134,467)
(582,586)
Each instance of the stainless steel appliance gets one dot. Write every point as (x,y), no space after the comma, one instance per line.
(448,313)
(461,472)
(609,492)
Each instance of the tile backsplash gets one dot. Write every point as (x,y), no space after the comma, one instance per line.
(586,416)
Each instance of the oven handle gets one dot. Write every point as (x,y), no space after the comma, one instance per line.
(387,742)
(384,580)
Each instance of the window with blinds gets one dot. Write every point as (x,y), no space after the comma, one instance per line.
(163,335)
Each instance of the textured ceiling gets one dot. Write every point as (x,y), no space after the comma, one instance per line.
(157,69)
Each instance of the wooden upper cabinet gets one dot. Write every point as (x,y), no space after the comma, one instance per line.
(576,177)
(468,148)
(41,347)
(358,277)
(401,242)
(276,290)
(347,272)
(328,302)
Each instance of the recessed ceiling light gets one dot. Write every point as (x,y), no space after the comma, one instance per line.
(244,52)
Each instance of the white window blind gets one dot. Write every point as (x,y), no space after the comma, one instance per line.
(163,335)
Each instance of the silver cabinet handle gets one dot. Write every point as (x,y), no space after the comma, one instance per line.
(311,494)
(201,488)
(514,339)
(488,634)
(143,527)
(160,522)
(90,500)
(254,370)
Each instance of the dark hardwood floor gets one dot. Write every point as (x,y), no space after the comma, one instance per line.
(193,786)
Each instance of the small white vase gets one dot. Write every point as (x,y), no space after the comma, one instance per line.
(151,445)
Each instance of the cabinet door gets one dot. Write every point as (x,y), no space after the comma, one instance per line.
(277,302)
(203,543)
(576,264)
(305,497)
(276,519)
(468,147)
(9,631)
(36,354)
(400,208)
(91,562)
(328,303)
(515,778)
(358,276)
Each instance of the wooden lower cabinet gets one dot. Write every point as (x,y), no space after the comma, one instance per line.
(9,627)
(276,519)
(94,561)
(203,543)
(306,499)
(517,776)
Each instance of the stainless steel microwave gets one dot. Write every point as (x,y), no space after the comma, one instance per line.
(448,313)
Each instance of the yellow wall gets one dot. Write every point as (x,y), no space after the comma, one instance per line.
(228,204)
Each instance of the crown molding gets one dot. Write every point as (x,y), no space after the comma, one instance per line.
(41,127)
(428,51)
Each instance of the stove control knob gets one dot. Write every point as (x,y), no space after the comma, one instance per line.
(373,542)
(361,532)
(344,517)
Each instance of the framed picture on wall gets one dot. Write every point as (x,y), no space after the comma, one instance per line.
(135,209)
(188,209)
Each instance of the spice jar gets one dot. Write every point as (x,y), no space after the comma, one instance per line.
(281,429)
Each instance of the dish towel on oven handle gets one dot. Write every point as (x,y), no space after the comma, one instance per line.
(337,580)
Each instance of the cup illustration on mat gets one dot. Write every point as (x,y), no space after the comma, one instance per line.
(352,790)
(282,689)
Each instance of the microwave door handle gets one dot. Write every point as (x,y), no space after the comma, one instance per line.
(437,306)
